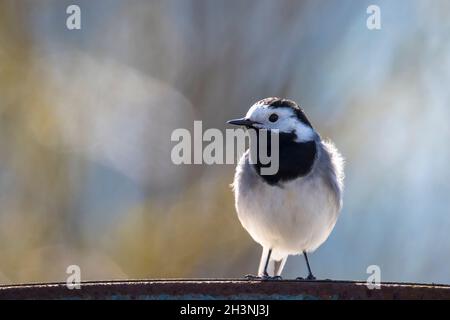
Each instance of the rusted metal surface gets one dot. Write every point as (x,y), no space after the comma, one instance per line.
(225,289)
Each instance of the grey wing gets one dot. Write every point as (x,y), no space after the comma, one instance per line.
(245,177)
(331,167)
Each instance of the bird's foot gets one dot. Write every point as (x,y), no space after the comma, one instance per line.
(262,278)
(310,277)
(274,278)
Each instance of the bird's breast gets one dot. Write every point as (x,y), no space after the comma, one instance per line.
(296,215)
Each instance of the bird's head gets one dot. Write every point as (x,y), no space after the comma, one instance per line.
(278,114)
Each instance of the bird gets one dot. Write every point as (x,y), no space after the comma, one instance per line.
(293,211)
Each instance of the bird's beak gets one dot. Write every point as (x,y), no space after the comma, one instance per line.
(242,122)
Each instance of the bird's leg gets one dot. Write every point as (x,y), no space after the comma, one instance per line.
(310,275)
(265,275)
(264,259)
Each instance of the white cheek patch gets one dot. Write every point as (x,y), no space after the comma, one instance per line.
(287,121)
(304,133)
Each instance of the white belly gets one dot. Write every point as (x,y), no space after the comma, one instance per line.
(298,216)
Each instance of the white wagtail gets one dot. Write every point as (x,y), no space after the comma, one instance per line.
(294,210)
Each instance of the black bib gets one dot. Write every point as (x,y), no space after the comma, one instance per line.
(296,158)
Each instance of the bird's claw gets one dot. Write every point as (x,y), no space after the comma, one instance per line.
(262,278)
(309,278)
(272,278)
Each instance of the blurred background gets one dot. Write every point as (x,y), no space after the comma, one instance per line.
(86,117)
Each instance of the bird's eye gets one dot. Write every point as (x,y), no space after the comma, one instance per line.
(273,117)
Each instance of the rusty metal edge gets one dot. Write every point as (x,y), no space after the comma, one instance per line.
(241,280)
(224,289)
